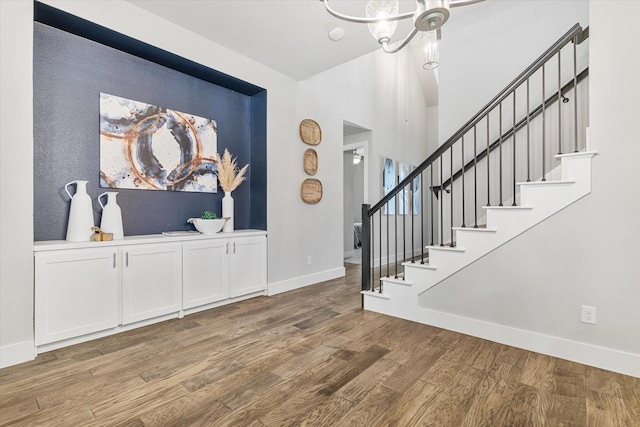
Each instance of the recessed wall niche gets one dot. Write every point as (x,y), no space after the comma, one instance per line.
(75,60)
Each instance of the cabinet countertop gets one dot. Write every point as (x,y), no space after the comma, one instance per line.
(51,245)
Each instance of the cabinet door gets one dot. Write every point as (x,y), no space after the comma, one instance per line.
(204,272)
(247,265)
(151,281)
(76,293)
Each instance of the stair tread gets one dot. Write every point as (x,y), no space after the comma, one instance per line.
(399,280)
(425,266)
(508,207)
(446,248)
(557,182)
(376,294)
(481,229)
(578,154)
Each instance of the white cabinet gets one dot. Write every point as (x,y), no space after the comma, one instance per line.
(85,290)
(76,293)
(247,265)
(204,273)
(151,281)
(220,269)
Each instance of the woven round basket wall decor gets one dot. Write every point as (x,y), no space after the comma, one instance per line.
(310,161)
(310,132)
(311,191)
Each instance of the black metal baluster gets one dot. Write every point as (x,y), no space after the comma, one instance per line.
(451,192)
(475,178)
(500,152)
(488,168)
(422,228)
(559,105)
(432,206)
(380,253)
(543,125)
(462,155)
(404,222)
(388,257)
(441,204)
(413,246)
(575,96)
(514,148)
(528,137)
(395,220)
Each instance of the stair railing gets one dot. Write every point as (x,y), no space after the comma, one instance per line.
(448,169)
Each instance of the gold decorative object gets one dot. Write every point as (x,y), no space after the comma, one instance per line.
(311,190)
(310,161)
(100,236)
(310,132)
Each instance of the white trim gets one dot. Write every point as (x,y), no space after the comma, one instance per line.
(19,352)
(302,281)
(588,354)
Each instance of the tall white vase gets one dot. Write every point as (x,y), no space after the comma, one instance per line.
(81,213)
(227,211)
(111,221)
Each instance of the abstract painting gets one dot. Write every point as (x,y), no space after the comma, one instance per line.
(415,193)
(404,205)
(143,146)
(388,182)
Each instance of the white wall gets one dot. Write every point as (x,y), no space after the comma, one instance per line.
(377,91)
(16,182)
(588,253)
(492,42)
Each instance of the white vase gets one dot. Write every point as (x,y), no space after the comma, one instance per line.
(111,221)
(80,214)
(227,211)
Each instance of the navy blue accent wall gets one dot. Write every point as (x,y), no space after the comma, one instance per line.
(259,161)
(69,74)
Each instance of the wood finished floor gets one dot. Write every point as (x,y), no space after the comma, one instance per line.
(308,357)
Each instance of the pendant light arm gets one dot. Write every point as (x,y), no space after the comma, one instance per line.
(359,20)
(456,3)
(406,41)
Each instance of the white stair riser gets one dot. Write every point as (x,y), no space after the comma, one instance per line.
(405,301)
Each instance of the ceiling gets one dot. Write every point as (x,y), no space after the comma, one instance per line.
(290,36)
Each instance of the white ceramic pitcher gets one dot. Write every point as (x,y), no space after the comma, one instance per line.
(81,213)
(111,221)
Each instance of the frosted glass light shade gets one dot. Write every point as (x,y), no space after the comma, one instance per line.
(429,42)
(382,31)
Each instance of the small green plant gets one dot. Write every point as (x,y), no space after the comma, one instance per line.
(208,215)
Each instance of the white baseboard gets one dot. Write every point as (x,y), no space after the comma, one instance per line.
(349,254)
(588,354)
(302,281)
(13,354)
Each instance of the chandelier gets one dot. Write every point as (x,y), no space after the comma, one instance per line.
(382,16)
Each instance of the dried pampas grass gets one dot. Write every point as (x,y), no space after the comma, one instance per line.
(228,174)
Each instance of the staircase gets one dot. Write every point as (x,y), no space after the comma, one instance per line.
(539,200)
(472,200)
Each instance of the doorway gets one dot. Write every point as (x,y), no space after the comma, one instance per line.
(355,168)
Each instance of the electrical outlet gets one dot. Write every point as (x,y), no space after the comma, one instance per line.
(309,260)
(588,314)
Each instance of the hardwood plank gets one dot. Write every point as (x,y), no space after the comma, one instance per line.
(411,405)
(309,357)
(529,407)
(604,409)
(538,371)
(450,408)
